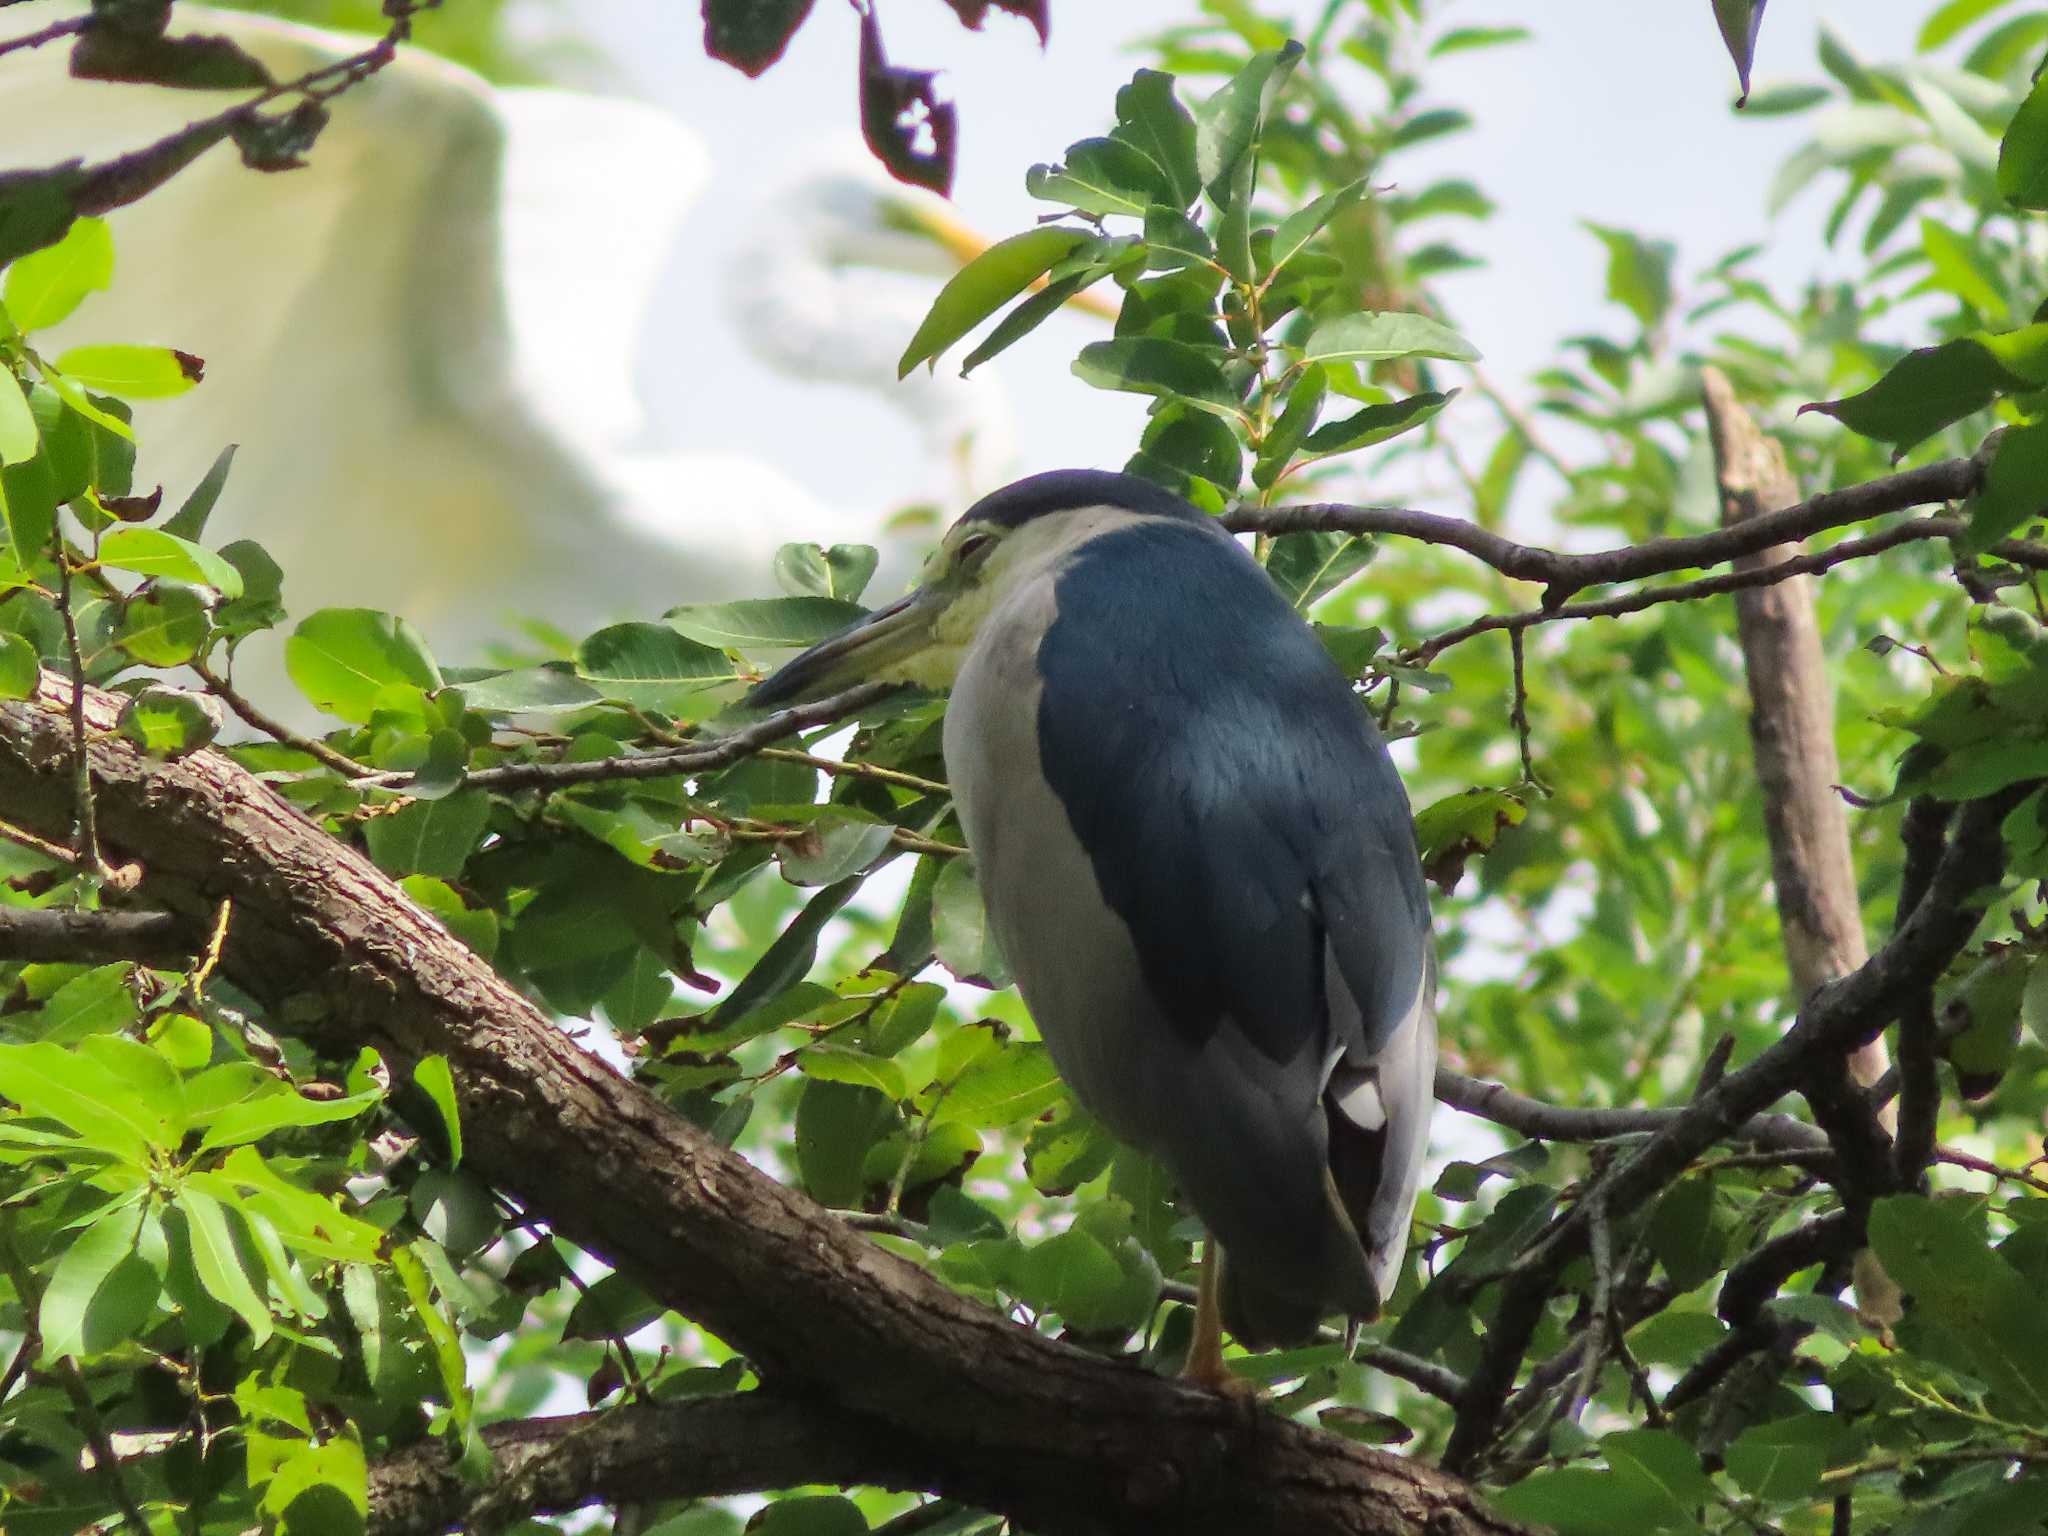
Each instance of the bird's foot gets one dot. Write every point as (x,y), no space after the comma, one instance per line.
(1212,1375)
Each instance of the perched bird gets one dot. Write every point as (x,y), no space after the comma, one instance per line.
(1198,859)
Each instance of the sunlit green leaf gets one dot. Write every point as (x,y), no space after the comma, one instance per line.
(45,286)
(985,285)
(134,373)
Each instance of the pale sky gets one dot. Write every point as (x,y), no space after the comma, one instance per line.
(1617,112)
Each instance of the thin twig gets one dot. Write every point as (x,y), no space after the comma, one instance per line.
(834,766)
(49,34)
(274,728)
(1931,484)
(720,753)
(1907,532)
(22,837)
(87,850)
(1518,715)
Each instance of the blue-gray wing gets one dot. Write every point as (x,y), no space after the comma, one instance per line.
(1241,811)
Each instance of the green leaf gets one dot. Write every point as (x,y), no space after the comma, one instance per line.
(153,552)
(1951,19)
(90,1277)
(169,722)
(809,570)
(1101,177)
(810,1515)
(438,1084)
(217,1260)
(765,622)
(1376,423)
(1638,271)
(28,506)
(1454,829)
(189,521)
(53,1083)
(1078,1276)
(164,627)
(832,848)
(1464,39)
(1173,240)
(278,1107)
(133,373)
(960,928)
(836,1125)
(2015,486)
(1304,224)
(651,665)
(322,1489)
(1308,566)
(1684,1235)
(19,437)
(549,689)
(1961,268)
(45,286)
(1375,337)
(19,667)
(1066,1151)
(1016,1081)
(1149,115)
(475,926)
(342,658)
(1304,405)
(429,837)
(2023,154)
(98,1002)
(1149,366)
(1934,387)
(832,1063)
(985,285)
(1783,1459)
(1228,124)
(614,1307)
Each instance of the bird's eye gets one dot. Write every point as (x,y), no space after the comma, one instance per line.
(974,548)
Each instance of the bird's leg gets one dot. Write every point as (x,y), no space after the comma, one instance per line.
(1205,1365)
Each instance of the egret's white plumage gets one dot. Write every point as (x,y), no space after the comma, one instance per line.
(424,342)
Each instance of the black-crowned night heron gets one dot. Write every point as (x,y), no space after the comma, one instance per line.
(1198,859)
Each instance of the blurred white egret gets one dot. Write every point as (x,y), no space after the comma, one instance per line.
(424,341)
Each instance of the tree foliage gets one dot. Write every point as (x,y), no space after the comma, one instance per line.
(261,1259)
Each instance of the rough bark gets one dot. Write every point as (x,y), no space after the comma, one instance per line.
(1791,722)
(968,1403)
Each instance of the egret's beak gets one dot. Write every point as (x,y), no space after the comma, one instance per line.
(879,644)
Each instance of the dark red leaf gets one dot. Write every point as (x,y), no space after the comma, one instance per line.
(144,58)
(750,35)
(907,127)
(973,13)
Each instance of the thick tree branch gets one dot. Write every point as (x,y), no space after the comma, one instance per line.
(696,1448)
(975,1406)
(1792,720)
(1562,575)
(28,933)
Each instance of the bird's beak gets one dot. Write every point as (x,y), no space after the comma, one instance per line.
(878,646)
